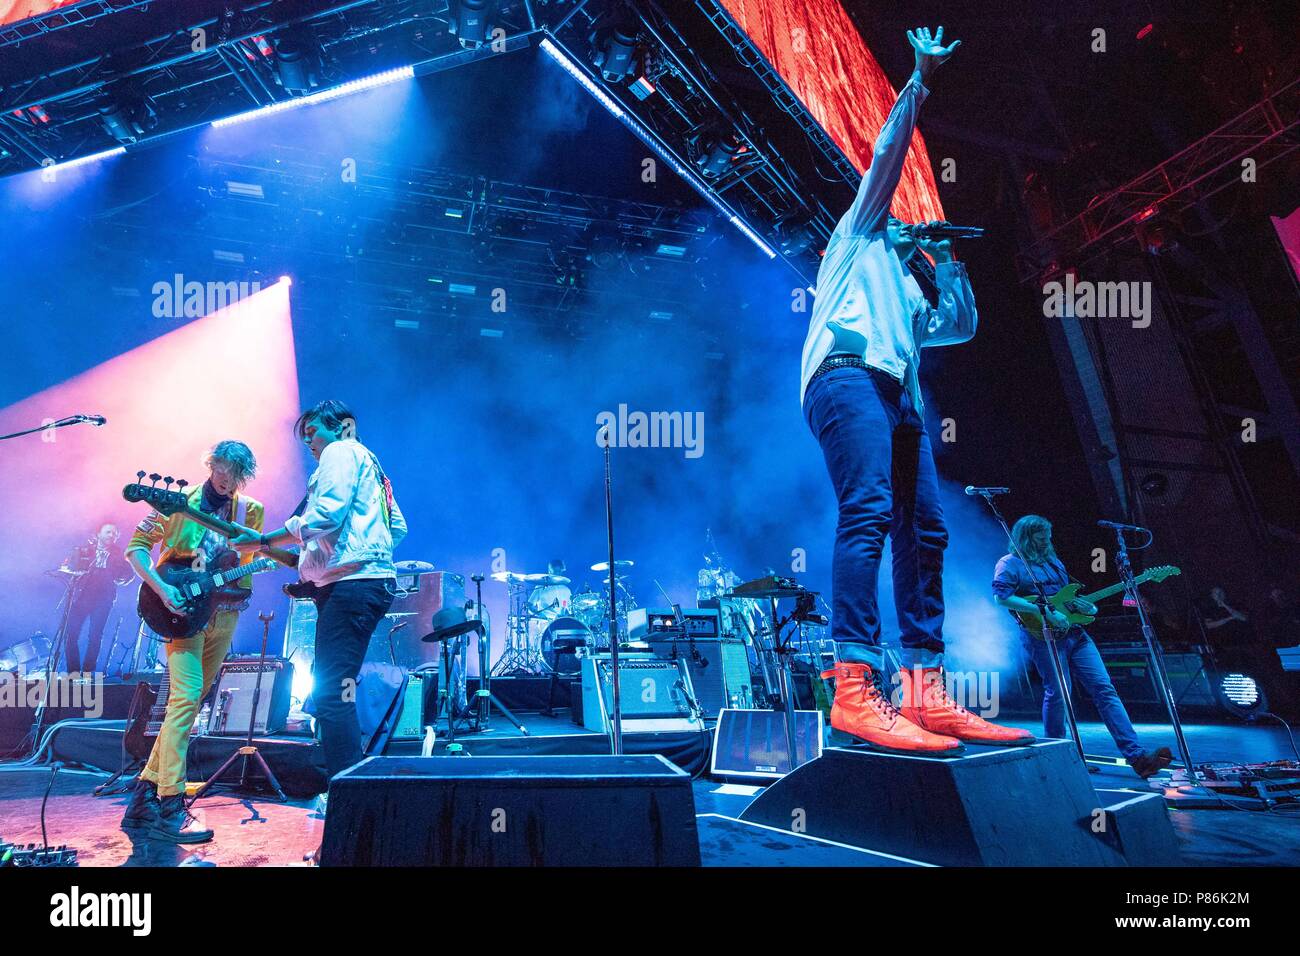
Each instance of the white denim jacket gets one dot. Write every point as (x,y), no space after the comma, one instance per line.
(865,293)
(351,522)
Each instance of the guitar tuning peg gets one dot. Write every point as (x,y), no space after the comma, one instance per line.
(139,474)
(180,484)
(168,481)
(155,477)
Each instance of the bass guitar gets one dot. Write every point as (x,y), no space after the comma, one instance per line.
(168,502)
(1082,609)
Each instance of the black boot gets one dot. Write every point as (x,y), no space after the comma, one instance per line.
(1150,763)
(142,810)
(176,824)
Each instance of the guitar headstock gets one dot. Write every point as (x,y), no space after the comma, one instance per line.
(164,499)
(1158,574)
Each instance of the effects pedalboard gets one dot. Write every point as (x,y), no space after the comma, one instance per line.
(12,854)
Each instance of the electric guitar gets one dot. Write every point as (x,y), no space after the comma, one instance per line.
(1082,609)
(204,592)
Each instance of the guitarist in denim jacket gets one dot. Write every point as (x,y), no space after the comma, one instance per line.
(1014,589)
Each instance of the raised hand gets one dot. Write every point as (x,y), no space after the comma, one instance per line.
(929,50)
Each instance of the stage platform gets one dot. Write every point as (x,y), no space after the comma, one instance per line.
(264,832)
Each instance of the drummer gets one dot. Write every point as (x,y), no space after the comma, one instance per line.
(551,599)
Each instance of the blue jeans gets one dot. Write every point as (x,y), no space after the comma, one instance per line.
(879,459)
(1080,658)
(347,613)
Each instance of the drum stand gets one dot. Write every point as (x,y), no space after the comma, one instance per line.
(518,657)
(483,697)
(248,750)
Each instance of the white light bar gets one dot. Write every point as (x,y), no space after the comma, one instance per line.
(333,93)
(643,134)
(83,160)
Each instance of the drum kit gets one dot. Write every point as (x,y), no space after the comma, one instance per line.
(550,627)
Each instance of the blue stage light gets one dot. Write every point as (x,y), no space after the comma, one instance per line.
(571,67)
(333,93)
(83,160)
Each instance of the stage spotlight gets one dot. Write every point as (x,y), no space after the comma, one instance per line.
(469,22)
(1240,694)
(718,153)
(796,237)
(615,52)
(127,118)
(297,64)
(287,280)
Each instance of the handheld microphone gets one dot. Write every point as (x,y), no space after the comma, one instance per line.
(973,490)
(949,231)
(1118,526)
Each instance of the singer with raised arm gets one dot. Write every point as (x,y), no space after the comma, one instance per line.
(861,397)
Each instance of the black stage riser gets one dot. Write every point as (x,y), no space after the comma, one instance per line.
(1021,806)
(511,811)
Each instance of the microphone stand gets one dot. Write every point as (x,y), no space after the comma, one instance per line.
(1048,630)
(1153,648)
(616,709)
(61,423)
(249,749)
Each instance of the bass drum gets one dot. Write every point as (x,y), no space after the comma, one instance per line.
(569,629)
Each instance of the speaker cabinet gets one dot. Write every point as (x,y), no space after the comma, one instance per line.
(596,810)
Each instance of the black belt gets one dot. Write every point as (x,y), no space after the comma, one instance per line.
(832,362)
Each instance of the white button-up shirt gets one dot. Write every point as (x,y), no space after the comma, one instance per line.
(867,301)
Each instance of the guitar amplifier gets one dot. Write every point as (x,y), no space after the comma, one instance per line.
(417,707)
(654,693)
(719,671)
(232,703)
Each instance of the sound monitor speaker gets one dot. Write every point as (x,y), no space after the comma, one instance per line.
(752,743)
(594,810)
(991,806)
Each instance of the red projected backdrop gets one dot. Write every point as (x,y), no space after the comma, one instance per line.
(15,10)
(816,49)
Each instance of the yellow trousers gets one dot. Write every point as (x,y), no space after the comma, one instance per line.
(192,665)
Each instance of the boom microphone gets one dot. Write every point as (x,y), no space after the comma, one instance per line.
(946,231)
(972,490)
(97,420)
(1122,527)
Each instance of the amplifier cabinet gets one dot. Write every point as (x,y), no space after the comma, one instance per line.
(719,671)
(232,702)
(654,693)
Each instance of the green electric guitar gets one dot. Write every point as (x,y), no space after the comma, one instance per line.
(1082,609)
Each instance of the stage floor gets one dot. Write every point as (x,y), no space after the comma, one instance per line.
(263,832)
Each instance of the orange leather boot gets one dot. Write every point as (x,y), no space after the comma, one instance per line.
(926,703)
(861,710)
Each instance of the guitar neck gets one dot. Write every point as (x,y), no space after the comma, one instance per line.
(280,555)
(211,522)
(1115,588)
(244,570)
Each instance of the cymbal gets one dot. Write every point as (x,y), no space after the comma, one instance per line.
(414,567)
(583,602)
(619,565)
(549,580)
(56,572)
(518,577)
